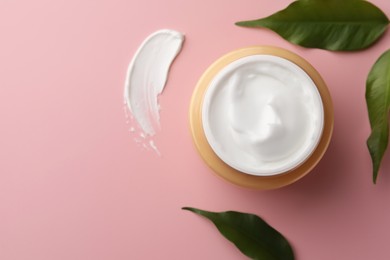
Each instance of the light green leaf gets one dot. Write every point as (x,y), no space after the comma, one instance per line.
(378,105)
(338,25)
(251,235)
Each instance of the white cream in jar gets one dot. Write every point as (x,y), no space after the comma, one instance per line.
(263,115)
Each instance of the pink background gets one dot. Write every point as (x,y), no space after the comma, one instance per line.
(75,185)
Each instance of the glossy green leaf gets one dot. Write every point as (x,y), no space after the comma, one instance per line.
(251,235)
(338,25)
(378,104)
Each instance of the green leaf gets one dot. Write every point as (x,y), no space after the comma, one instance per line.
(251,235)
(338,25)
(378,104)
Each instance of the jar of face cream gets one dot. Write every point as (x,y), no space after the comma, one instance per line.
(261,117)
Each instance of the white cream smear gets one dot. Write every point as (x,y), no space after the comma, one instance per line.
(145,80)
(263,115)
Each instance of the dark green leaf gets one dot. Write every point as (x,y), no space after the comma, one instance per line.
(251,235)
(378,104)
(327,24)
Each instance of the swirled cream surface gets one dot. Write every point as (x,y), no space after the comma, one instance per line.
(262,115)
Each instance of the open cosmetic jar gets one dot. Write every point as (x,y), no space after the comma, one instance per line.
(261,117)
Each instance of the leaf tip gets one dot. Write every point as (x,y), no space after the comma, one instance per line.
(250,23)
(241,23)
(375,176)
(187,208)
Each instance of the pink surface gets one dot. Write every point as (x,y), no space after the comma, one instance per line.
(75,185)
